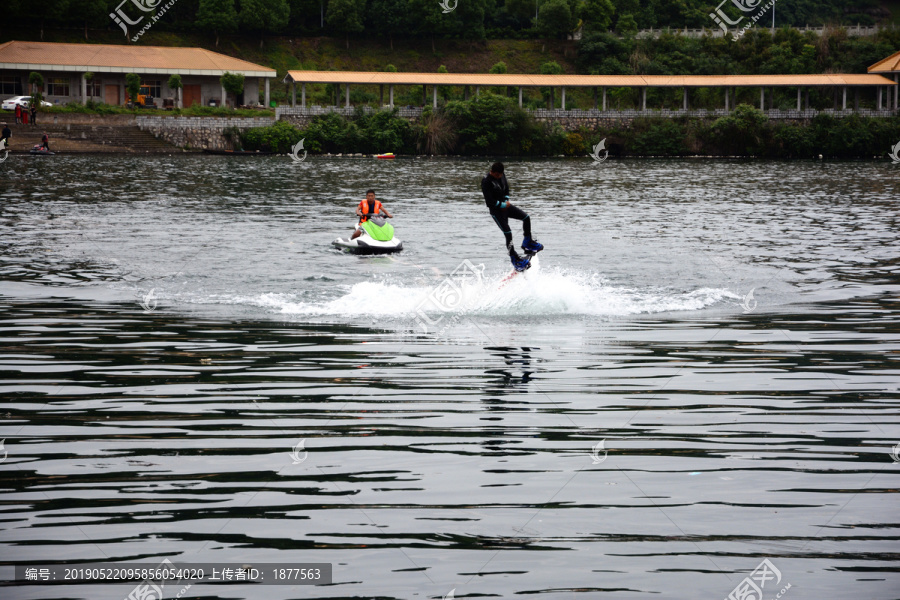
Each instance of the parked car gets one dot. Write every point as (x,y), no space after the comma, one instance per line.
(10,103)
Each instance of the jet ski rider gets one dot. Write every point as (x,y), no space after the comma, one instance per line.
(370,207)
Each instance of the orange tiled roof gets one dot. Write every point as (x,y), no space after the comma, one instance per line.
(891,64)
(374,77)
(136,59)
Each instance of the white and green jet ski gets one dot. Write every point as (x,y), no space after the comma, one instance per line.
(377,237)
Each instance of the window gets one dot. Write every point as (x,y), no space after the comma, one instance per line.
(58,87)
(93,89)
(155,88)
(10,85)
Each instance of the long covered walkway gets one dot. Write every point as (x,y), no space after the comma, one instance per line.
(840,84)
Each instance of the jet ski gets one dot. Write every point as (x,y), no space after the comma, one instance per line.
(366,244)
(40,150)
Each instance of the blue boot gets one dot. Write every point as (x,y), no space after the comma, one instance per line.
(531,245)
(520,264)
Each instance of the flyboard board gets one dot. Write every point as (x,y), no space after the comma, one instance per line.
(532,260)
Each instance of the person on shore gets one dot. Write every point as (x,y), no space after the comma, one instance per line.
(24,115)
(45,142)
(4,139)
(18,113)
(496,196)
(33,114)
(368,208)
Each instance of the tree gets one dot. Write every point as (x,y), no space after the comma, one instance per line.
(345,16)
(88,12)
(389,17)
(596,49)
(627,26)
(596,14)
(444,91)
(554,19)
(264,16)
(37,85)
(133,86)
(500,69)
(88,77)
(54,10)
(523,10)
(550,68)
(175,84)
(233,84)
(430,21)
(487,124)
(217,15)
(307,17)
(740,133)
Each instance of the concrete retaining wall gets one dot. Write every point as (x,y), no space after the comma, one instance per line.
(198,132)
(573,119)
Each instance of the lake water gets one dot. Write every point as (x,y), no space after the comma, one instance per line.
(699,374)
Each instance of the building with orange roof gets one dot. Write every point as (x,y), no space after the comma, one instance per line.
(63,67)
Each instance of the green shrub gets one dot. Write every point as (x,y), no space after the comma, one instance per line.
(574,145)
(742,132)
(280,137)
(488,124)
(660,138)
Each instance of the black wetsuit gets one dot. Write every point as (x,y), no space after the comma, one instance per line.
(495,192)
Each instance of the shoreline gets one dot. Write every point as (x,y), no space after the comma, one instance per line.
(487,157)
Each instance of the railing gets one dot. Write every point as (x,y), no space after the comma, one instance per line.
(713,31)
(576,113)
(310,111)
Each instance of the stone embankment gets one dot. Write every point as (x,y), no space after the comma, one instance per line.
(79,134)
(128,134)
(203,133)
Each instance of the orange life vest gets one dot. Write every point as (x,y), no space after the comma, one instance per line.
(364,209)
